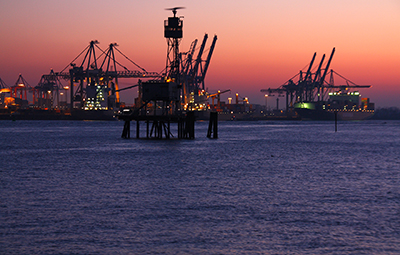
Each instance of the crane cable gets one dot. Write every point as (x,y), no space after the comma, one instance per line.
(131,60)
(110,57)
(75,59)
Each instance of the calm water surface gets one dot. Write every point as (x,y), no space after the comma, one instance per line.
(70,187)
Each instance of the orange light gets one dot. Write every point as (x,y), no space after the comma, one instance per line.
(5,90)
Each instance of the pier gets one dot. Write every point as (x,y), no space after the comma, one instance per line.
(159,126)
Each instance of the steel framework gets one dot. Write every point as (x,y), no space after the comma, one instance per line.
(96,77)
(311,86)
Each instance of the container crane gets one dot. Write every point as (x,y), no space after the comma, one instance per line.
(3,90)
(313,87)
(207,62)
(19,91)
(187,66)
(218,95)
(194,71)
(3,85)
(321,81)
(85,79)
(47,91)
(194,75)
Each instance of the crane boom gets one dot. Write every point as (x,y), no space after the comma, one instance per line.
(218,93)
(321,83)
(319,69)
(310,66)
(198,59)
(327,67)
(208,58)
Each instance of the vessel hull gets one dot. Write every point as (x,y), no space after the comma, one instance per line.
(315,114)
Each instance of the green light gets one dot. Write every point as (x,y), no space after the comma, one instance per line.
(310,106)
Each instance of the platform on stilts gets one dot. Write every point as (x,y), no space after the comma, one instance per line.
(159,110)
(159,127)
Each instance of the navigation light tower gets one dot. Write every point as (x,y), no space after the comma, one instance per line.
(173,33)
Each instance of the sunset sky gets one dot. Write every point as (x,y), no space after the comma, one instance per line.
(261,43)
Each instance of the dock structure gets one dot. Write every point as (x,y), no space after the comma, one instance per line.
(158,122)
(175,96)
(160,101)
(159,127)
(160,107)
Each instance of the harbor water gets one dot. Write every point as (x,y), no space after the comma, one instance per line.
(262,187)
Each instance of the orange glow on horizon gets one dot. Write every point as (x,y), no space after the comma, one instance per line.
(259,46)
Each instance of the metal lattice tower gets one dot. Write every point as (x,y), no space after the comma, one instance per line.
(173,33)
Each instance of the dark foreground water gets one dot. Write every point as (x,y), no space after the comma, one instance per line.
(261,188)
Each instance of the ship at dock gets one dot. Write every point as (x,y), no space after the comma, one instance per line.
(341,105)
(315,95)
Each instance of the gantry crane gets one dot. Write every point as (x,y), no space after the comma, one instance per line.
(3,90)
(3,85)
(47,91)
(311,86)
(194,73)
(93,84)
(19,91)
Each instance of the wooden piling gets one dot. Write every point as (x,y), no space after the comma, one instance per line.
(126,132)
(213,126)
(190,125)
(335,121)
(137,129)
(147,129)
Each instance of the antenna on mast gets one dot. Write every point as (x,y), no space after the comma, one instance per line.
(174,10)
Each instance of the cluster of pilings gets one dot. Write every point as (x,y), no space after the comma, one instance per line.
(159,127)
